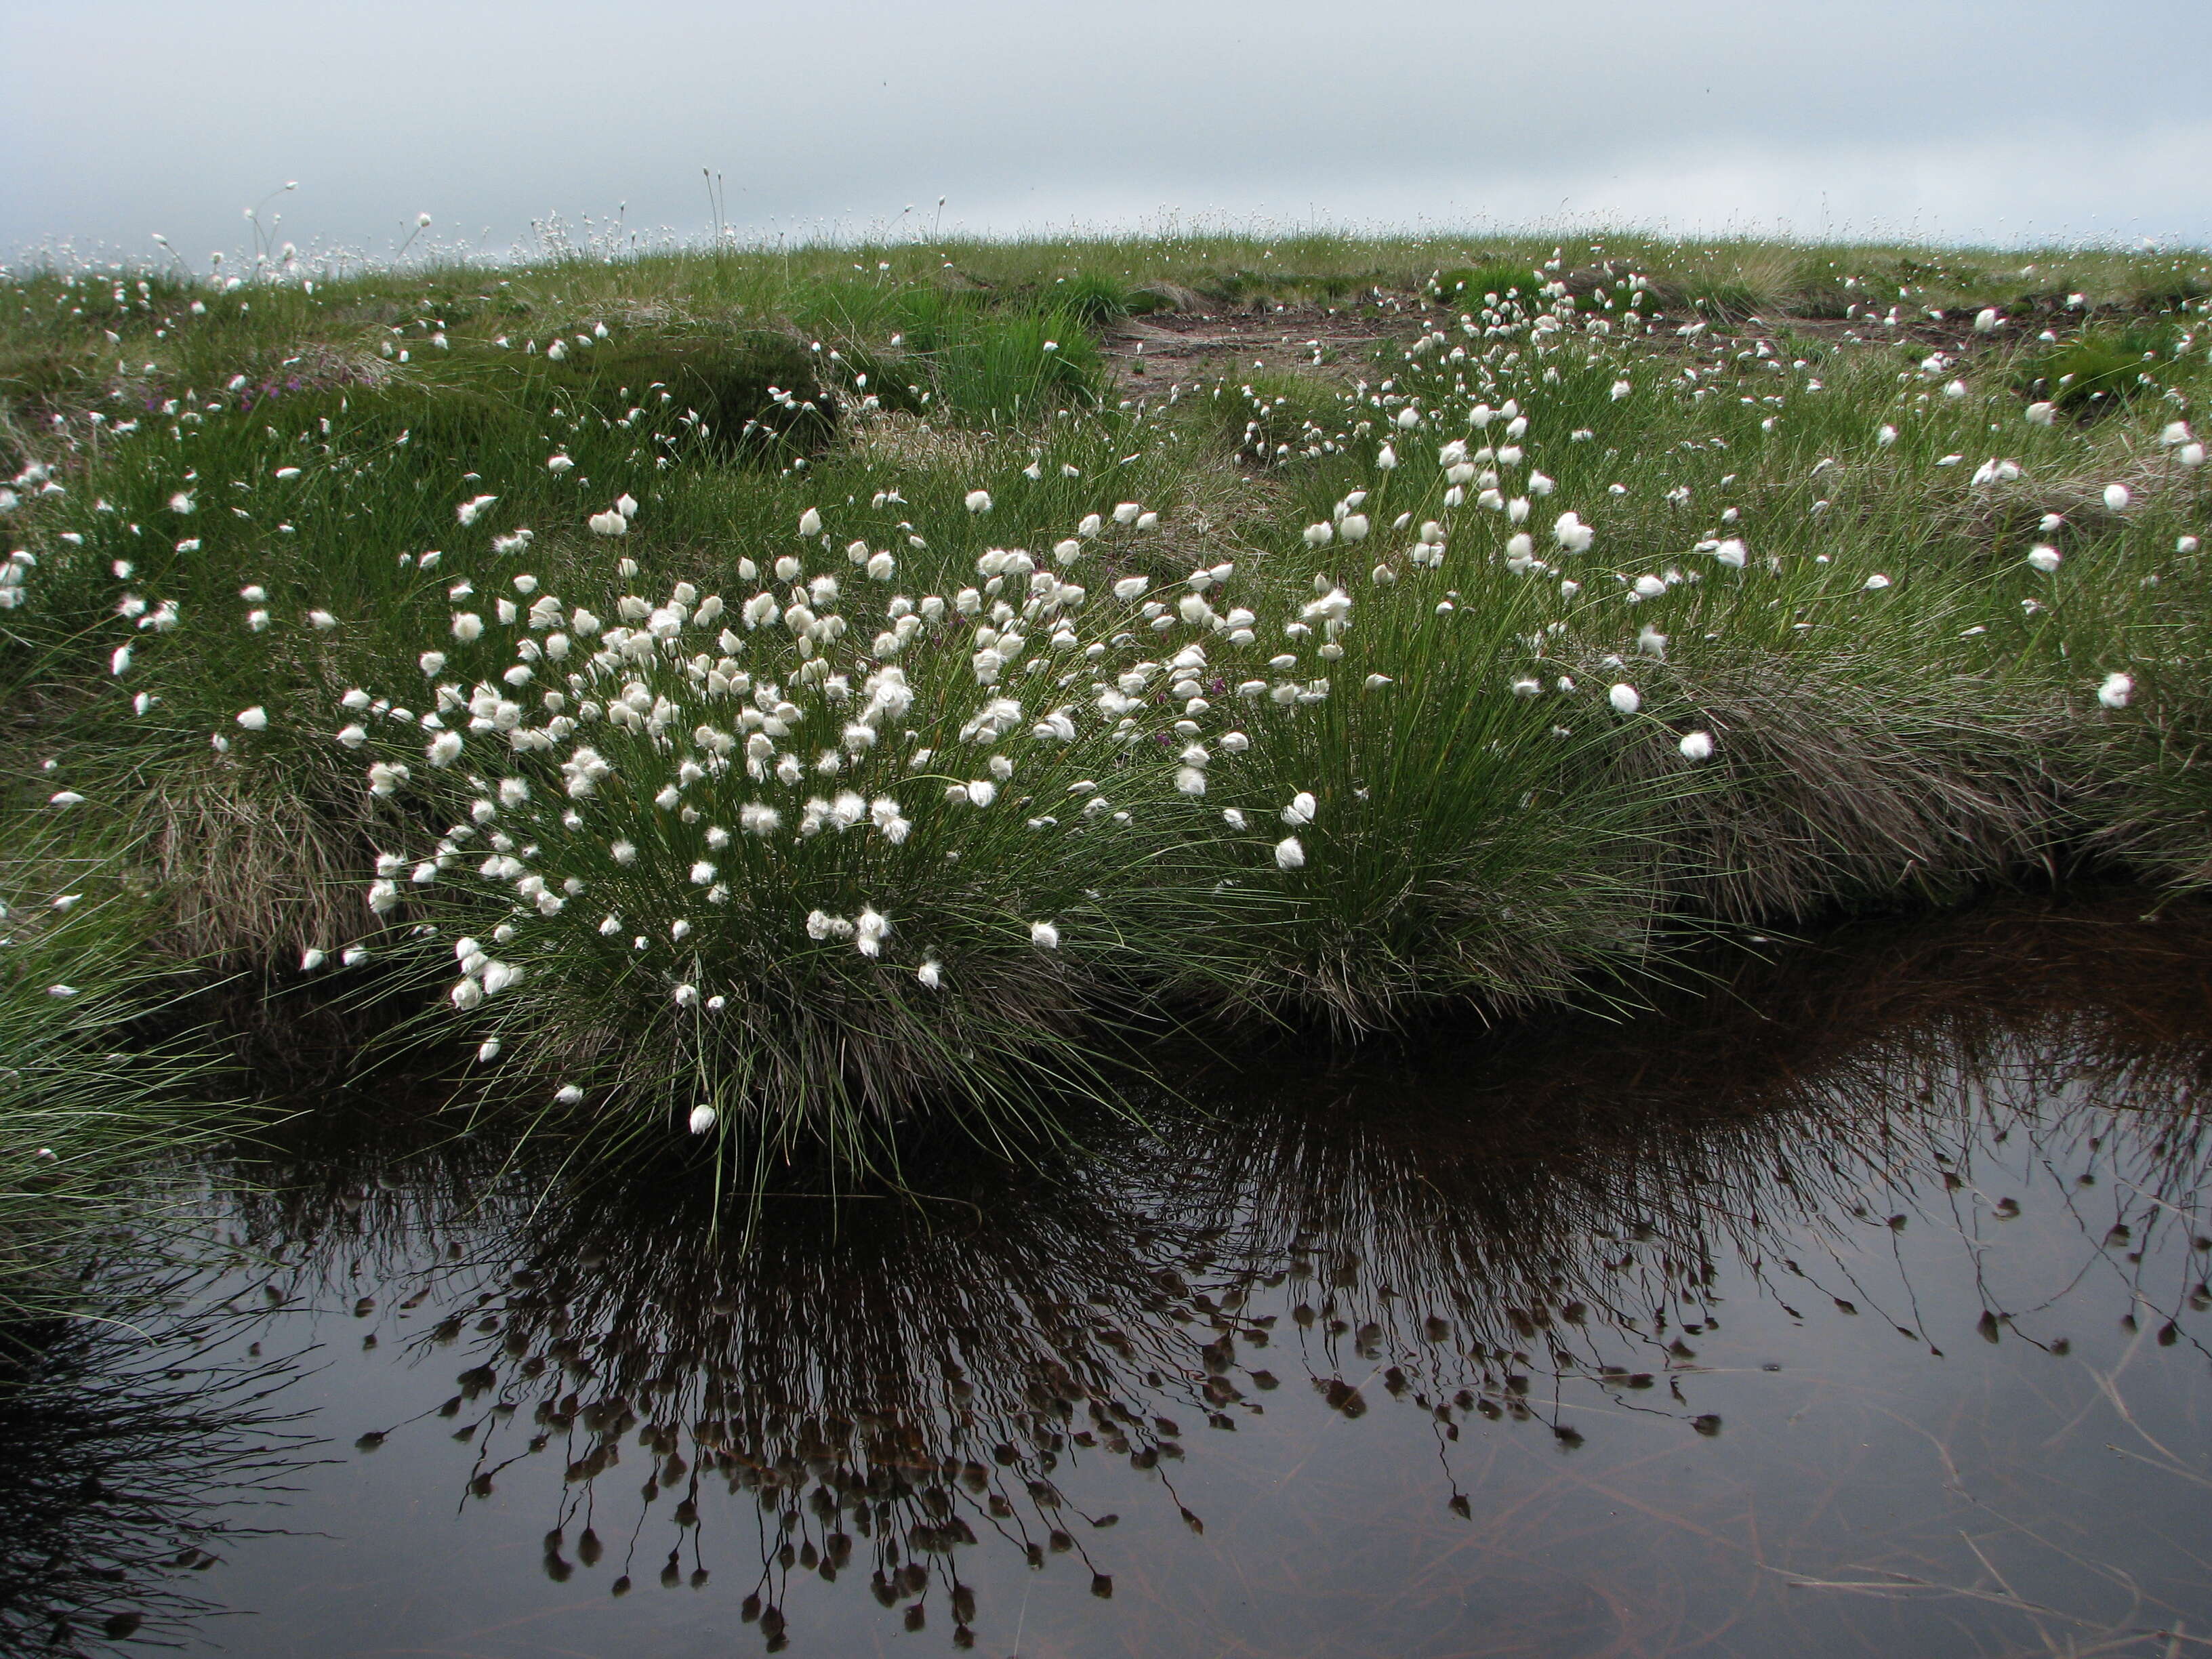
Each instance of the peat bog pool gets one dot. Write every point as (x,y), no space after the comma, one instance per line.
(1855,1305)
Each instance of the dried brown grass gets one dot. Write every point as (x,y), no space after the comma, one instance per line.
(251,873)
(1847,786)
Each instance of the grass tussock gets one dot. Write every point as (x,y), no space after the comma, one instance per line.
(790,695)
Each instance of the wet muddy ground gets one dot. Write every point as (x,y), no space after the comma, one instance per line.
(1857,1304)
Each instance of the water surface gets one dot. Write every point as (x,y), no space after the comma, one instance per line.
(1857,1305)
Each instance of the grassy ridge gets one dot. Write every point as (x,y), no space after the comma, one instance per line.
(1624,594)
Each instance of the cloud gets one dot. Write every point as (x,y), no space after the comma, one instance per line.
(1955,119)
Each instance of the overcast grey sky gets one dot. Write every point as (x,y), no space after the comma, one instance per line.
(2004,120)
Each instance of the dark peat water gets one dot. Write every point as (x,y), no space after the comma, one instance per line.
(1856,1304)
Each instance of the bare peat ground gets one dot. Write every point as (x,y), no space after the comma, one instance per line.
(1204,338)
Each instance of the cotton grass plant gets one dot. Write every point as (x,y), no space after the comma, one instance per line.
(927,753)
(818,850)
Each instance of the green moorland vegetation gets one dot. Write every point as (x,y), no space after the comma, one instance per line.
(784,693)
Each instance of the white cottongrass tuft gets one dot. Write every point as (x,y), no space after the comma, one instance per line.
(2117,498)
(1696,746)
(1290,853)
(2118,691)
(2046,559)
(1625,698)
(978,500)
(704,1117)
(1044,936)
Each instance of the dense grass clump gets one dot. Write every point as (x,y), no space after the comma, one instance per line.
(788,695)
(2101,368)
(92,1121)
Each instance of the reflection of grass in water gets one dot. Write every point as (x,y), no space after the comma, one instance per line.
(125,1464)
(892,1376)
(889,1383)
(1541,1213)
